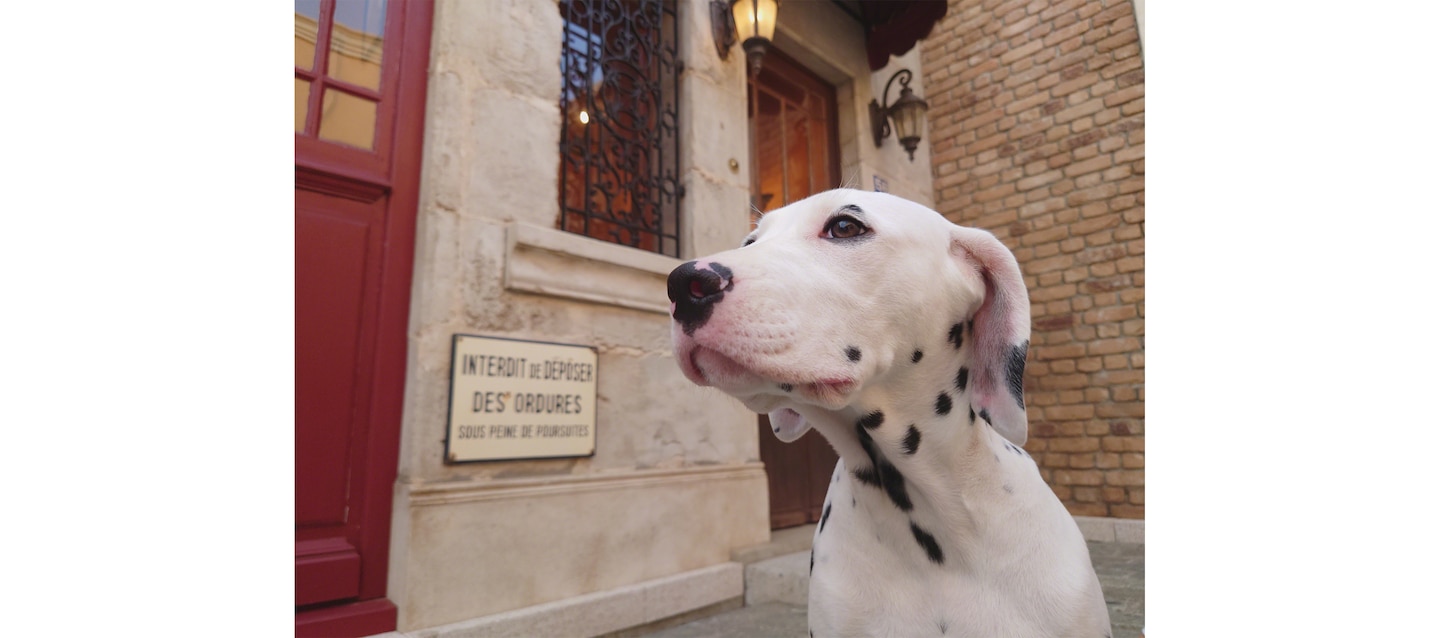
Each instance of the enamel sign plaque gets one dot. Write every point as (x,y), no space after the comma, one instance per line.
(512,399)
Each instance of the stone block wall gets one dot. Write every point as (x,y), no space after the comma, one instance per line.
(675,483)
(1037,129)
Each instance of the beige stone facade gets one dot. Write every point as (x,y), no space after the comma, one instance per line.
(1038,121)
(675,484)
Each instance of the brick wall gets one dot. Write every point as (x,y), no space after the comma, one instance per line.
(1037,129)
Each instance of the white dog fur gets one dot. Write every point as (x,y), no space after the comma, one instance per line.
(901,338)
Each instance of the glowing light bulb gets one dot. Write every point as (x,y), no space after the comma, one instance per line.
(584,117)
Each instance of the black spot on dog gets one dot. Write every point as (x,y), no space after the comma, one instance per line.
(1007,488)
(872,420)
(962,378)
(882,473)
(985,414)
(812,561)
(852,353)
(785,387)
(943,626)
(868,445)
(915,358)
(957,335)
(942,404)
(867,476)
(972,415)
(776,429)
(1015,372)
(912,440)
(894,484)
(932,548)
(826,516)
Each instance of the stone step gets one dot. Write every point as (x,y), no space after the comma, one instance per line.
(770,620)
(783,579)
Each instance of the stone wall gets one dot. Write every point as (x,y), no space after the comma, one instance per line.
(675,483)
(1037,123)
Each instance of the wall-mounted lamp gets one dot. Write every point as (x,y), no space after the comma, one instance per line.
(908,113)
(751,22)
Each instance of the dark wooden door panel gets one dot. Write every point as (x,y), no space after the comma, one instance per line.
(794,149)
(798,475)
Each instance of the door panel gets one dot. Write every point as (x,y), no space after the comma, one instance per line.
(797,473)
(337,242)
(795,153)
(330,255)
(326,569)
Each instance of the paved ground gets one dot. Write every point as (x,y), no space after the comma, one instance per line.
(1120,566)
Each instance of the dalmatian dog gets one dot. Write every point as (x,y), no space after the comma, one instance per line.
(901,338)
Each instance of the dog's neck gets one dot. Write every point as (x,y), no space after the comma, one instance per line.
(911,445)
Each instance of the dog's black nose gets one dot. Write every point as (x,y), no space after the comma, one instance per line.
(696,289)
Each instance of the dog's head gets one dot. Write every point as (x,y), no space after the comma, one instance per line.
(839,293)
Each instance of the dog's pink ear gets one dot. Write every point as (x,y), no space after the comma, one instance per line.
(999,332)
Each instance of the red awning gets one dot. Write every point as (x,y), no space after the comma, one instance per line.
(892,27)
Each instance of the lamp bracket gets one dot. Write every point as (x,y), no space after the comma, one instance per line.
(880,113)
(722,26)
(879,123)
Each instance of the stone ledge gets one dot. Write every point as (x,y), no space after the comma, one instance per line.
(607,611)
(446,493)
(548,261)
(782,541)
(1112,530)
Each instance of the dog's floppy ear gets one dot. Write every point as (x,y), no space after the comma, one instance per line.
(998,332)
(788,424)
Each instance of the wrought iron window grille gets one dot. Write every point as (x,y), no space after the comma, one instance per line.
(619,138)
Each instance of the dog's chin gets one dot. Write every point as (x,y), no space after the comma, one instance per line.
(760,392)
(708,367)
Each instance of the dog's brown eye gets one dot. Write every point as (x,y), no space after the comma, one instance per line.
(844,227)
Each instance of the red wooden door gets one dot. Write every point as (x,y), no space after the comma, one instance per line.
(360,70)
(795,151)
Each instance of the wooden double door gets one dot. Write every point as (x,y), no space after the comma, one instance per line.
(794,152)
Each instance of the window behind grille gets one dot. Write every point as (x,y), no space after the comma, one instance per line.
(619,148)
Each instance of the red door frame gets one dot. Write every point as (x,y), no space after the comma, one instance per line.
(393,168)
